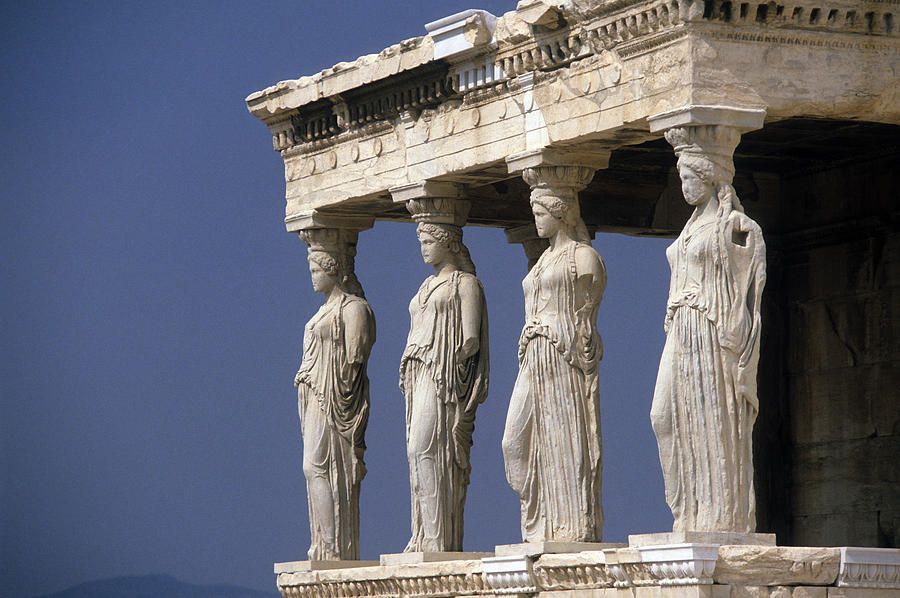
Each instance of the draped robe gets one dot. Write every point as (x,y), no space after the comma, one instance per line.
(705,401)
(551,444)
(333,400)
(442,395)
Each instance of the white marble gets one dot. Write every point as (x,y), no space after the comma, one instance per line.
(538,548)
(705,402)
(551,442)
(743,564)
(869,568)
(413,558)
(510,574)
(306,566)
(444,376)
(692,537)
(333,396)
(683,570)
(681,564)
(461,32)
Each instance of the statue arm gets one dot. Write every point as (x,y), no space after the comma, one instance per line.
(357,332)
(470,296)
(590,275)
(590,282)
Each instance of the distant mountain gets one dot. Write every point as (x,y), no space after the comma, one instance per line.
(155,586)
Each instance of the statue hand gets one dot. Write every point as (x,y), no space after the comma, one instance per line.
(297,379)
(737,227)
(467,350)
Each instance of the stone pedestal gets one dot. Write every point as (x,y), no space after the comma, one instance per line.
(413,558)
(719,538)
(550,547)
(682,570)
(307,566)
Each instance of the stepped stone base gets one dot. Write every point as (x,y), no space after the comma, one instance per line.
(679,570)
(304,566)
(411,558)
(719,538)
(537,548)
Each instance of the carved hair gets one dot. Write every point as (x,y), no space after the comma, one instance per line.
(712,170)
(340,267)
(326,262)
(566,210)
(449,236)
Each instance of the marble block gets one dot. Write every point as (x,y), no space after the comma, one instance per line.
(550,547)
(720,538)
(778,565)
(413,558)
(306,566)
(869,568)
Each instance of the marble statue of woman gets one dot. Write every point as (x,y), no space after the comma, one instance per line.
(444,377)
(333,399)
(551,443)
(705,401)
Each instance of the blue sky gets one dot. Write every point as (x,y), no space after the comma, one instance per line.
(153,304)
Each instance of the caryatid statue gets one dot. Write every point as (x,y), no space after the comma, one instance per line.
(705,402)
(443,376)
(551,444)
(333,395)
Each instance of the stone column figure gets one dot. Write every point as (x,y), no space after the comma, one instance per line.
(333,395)
(705,401)
(551,443)
(443,376)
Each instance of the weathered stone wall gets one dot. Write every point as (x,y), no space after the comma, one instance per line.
(838,273)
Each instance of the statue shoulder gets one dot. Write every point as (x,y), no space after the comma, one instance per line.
(356,307)
(469,285)
(588,261)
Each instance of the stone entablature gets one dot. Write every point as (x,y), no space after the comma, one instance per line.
(585,73)
(687,569)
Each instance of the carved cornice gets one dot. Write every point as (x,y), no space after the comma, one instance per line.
(625,27)
(312,147)
(838,40)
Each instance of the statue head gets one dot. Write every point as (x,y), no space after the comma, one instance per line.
(555,190)
(442,242)
(324,271)
(705,164)
(332,253)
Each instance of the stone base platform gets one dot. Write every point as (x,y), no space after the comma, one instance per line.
(719,538)
(412,558)
(306,566)
(537,548)
(678,570)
